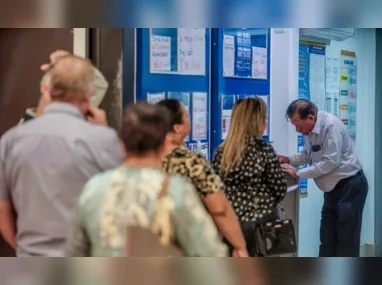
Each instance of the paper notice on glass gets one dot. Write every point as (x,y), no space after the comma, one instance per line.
(228,55)
(352,77)
(265,99)
(329,102)
(154,98)
(292,188)
(332,72)
(226,122)
(160,53)
(344,78)
(192,51)
(344,107)
(259,63)
(336,103)
(317,80)
(199,116)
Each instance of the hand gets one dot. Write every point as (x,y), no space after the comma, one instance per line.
(54,57)
(291,171)
(240,253)
(283,159)
(96,116)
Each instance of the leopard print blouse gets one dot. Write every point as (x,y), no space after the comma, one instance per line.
(195,168)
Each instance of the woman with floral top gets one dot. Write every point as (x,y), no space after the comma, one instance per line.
(194,167)
(249,167)
(128,196)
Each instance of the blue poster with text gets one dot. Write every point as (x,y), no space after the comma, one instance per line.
(243,54)
(303,93)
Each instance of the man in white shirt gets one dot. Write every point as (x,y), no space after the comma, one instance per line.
(335,168)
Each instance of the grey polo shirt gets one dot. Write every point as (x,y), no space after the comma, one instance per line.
(44,165)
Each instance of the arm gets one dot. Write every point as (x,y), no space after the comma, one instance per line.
(194,228)
(78,244)
(225,218)
(8,223)
(274,177)
(301,158)
(7,217)
(210,186)
(331,155)
(100,88)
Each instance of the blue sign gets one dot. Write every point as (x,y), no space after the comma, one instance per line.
(303,72)
(243,54)
(304,93)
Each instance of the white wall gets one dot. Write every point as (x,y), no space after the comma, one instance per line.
(79,41)
(284,89)
(365,48)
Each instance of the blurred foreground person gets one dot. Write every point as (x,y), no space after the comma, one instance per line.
(180,160)
(45,162)
(128,196)
(100,86)
(250,169)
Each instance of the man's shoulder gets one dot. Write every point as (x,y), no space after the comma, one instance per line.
(99,134)
(12,133)
(331,121)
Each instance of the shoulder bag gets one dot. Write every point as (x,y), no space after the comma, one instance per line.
(157,241)
(277,237)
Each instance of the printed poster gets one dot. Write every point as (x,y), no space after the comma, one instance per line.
(199,116)
(303,93)
(201,148)
(228,55)
(192,51)
(259,63)
(154,98)
(332,84)
(317,76)
(228,102)
(160,53)
(243,54)
(226,122)
(348,92)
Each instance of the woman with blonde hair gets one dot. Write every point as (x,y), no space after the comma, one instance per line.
(249,168)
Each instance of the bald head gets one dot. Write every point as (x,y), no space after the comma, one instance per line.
(71,78)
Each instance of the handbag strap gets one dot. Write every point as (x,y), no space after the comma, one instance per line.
(162,221)
(164,188)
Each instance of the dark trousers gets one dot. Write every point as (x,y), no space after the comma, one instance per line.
(341,219)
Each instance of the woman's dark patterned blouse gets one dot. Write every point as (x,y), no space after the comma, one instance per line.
(256,184)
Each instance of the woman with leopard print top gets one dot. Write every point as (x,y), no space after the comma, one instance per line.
(194,167)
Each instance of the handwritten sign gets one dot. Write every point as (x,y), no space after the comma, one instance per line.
(199,116)
(154,98)
(160,53)
(192,51)
(259,63)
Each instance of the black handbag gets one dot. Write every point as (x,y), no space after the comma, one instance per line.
(275,237)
